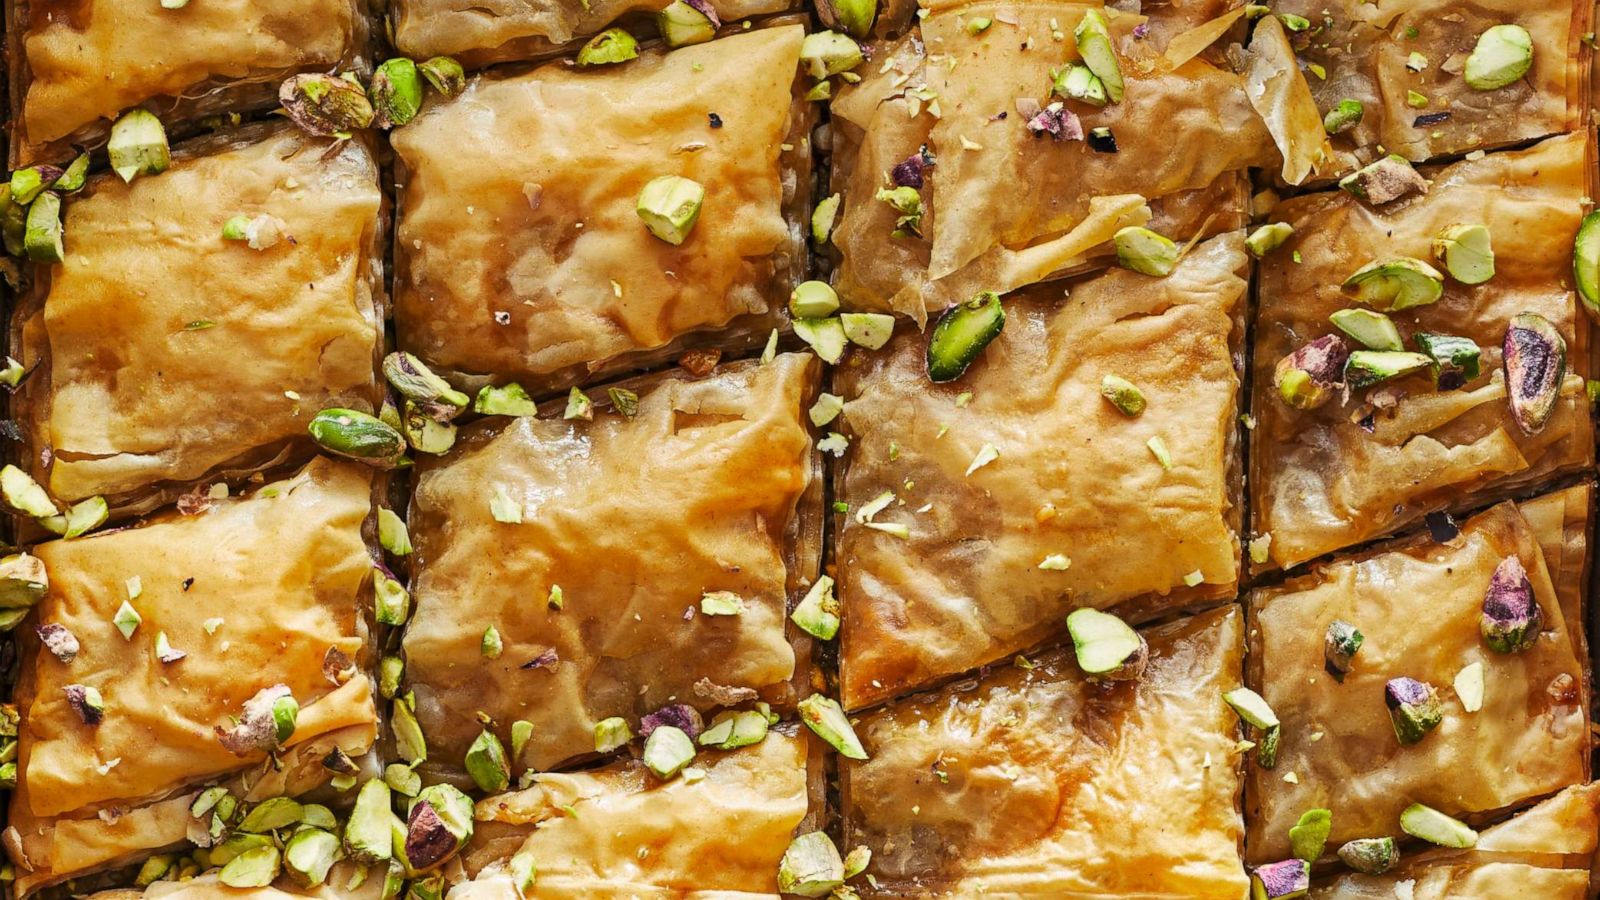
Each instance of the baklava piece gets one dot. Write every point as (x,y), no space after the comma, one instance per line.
(1033,780)
(578,577)
(530,253)
(224,647)
(1444,672)
(719,829)
(1418,355)
(164,352)
(1429,78)
(479,33)
(1088,458)
(988,151)
(77,66)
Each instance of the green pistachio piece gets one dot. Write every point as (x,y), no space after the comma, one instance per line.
(408,739)
(24,494)
(826,409)
(1416,100)
(1455,359)
(391,602)
(318,816)
(357,435)
(27,183)
(1385,181)
(811,866)
(1345,115)
(11,373)
(813,300)
(1503,55)
(611,733)
(624,401)
(721,603)
(978,25)
(271,814)
(154,869)
(906,201)
(402,779)
(1107,649)
(825,336)
(1268,238)
(1465,252)
(81,518)
(491,645)
(523,873)
(732,730)
(508,400)
(1511,615)
(869,330)
(127,620)
(579,406)
(13,221)
(824,716)
(960,336)
(828,53)
(236,845)
(1093,37)
(1372,330)
(854,17)
(1145,251)
(486,763)
(1077,82)
(1306,378)
(138,145)
(1534,355)
(1366,368)
(86,701)
(309,854)
(521,733)
(367,835)
(818,613)
(683,23)
(393,535)
(826,213)
(23,582)
(416,382)
(391,669)
(1395,284)
(1340,644)
(667,750)
(252,869)
(444,75)
(42,234)
(326,105)
(285,713)
(1586,261)
(1309,836)
(440,824)
(669,206)
(75,176)
(426,433)
(1122,394)
(1414,708)
(395,92)
(1370,856)
(1280,880)
(614,45)
(1435,827)
(1250,707)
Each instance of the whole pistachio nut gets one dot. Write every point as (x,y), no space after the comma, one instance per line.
(395,92)
(1280,880)
(1370,856)
(444,75)
(1511,615)
(326,105)
(1339,647)
(1307,378)
(1535,358)
(357,435)
(1385,181)
(1414,708)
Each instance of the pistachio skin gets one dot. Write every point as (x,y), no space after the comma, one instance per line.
(1385,180)
(1534,355)
(395,92)
(1414,708)
(1280,880)
(1511,615)
(1370,856)
(1307,377)
(444,75)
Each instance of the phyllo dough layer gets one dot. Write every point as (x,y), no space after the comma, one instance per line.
(1034,782)
(1547,852)
(619,832)
(1073,478)
(1365,50)
(1367,463)
(633,522)
(77,65)
(520,250)
(256,591)
(1419,609)
(479,32)
(1004,207)
(167,354)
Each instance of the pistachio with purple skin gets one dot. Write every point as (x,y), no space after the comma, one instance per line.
(326,105)
(265,722)
(1307,377)
(439,824)
(86,702)
(1535,358)
(909,172)
(1511,616)
(1280,880)
(679,715)
(1414,708)
(61,643)
(1056,120)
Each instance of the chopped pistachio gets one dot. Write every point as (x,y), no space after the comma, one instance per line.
(444,75)
(402,779)
(1268,238)
(685,22)
(521,733)
(1309,836)
(24,494)
(1416,62)
(1469,687)
(1250,707)
(827,53)
(391,602)
(309,854)
(367,835)
(27,183)
(395,92)
(75,176)
(1435,827)
(1395,284)
(826,408)
(409,741)
(523,872)
(1093,39)
(264,723)
(1416,100)
(1340,643)
(425,432)
(614,45)
(667,751)
(1366,368)
(1280,880)
(441,822)
(486,763)
(611,733)
(670,206)
(138,145)
(826,718)
(579,406)
(1107,649)
(906,201)
(823,217)
(416,382)
(721,603)
(1055,562)
(86,702)
(154,869)
(1158,449)
(326,105)
(978,25)
(1294,23)
(624,401)
(491,646)
(732,730)
(1078,82)
(253,868)
(1345,115)
(1586,261)
(42,234)
(825,336)
(1534,355)
(817,614)
(1122,394)
(1145,252)
(1504,53)
(811,866)
(813,300)
(271,814)
(1370,856)
(391,669)
(504,508)
(1511,616)
(1414,708)
(1373,330)
(1385,180)
(127,620)
(11,373)
(1466,253)
(357,435)
(1455,359)
(165,652)
(557,598)
(81,518)
(986,454)
(392,533)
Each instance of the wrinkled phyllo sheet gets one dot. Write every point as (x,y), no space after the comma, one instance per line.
(1405,62)
(164,354)
(1004,206)
(1023,493)
(478,33)
(256,592)
(1031,781)
(619,832)
(1420,609)
(626,526)
(76,66)
(1368,462)
(521,252)
(1545,852)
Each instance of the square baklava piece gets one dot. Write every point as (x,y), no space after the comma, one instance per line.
(1034,780)
(528,245)
(642,559)
(156,650)
(1420,354)
(75,67)
(161,353)
(1449,672)
(980,511)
